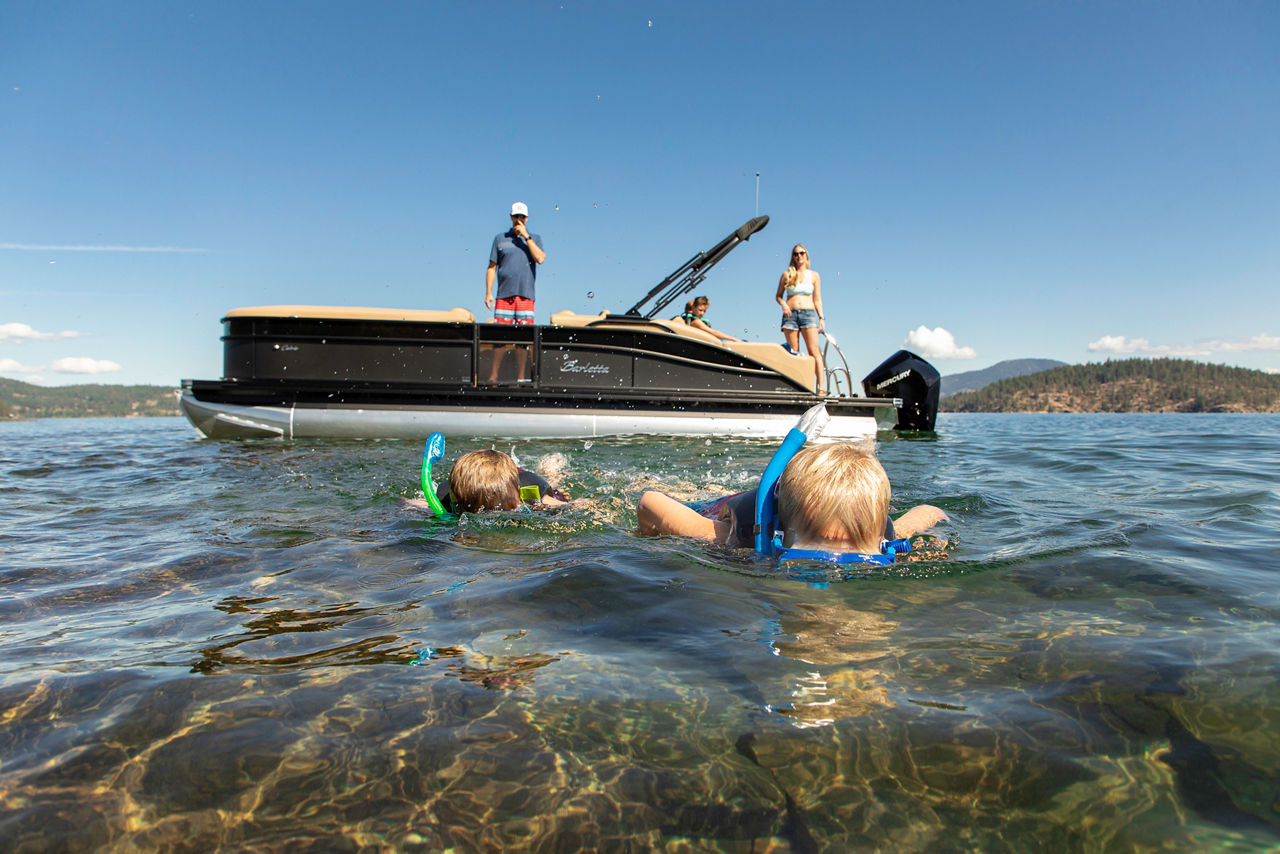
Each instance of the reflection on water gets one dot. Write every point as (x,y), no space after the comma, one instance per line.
(257,645)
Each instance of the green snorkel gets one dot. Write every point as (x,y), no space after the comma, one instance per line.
(434,452)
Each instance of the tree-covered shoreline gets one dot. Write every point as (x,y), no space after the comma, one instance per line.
(25,400)
(1127,385)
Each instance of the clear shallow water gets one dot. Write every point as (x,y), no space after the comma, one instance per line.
(258,645)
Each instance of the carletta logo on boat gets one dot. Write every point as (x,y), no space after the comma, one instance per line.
(571,366)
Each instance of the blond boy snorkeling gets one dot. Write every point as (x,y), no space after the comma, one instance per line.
(832,503)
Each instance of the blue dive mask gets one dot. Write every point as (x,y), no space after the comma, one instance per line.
(889,550)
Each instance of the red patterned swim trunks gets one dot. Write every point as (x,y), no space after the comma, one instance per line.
(516,311)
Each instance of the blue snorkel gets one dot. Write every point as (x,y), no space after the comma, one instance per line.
(767,494)
(768,533)
(433,453)
(810,425)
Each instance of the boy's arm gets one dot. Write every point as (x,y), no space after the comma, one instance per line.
(661,514)
(920,518)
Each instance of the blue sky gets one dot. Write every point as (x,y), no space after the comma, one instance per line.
(976,181)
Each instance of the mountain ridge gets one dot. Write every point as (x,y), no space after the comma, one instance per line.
(1128,385)
(975,380)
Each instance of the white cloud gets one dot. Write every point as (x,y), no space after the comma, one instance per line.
(84,365)
(1121,345)
(47,247)
(19,332)
(937,344)
(13,366)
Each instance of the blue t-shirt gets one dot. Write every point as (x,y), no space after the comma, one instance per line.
(516,267)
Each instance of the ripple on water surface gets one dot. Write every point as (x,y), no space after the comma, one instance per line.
(256,644)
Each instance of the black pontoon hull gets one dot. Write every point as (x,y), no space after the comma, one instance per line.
(400,421)
(301,372)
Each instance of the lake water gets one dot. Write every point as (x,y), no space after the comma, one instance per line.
(257,645)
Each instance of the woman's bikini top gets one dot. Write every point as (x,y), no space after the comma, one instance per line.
(802,286)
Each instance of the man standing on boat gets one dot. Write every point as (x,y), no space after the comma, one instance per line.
(513,262)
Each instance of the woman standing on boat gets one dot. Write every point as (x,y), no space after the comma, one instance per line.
(800,295)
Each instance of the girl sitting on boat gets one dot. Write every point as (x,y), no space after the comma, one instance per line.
(695,311)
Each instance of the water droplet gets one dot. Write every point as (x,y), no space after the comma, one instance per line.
(591,294)
(586,446)
(557,207)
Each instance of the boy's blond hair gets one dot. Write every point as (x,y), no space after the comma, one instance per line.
(837,491)
(484,480)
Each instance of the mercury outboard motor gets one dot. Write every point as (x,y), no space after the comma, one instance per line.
(907,376)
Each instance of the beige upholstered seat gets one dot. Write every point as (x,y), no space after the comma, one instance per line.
(339,312)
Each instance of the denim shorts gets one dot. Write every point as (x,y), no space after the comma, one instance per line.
(800,318)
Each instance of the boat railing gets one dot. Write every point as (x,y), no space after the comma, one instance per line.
(839,378)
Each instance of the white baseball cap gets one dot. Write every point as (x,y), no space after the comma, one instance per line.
(519,209)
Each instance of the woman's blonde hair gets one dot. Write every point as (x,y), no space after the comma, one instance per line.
(484,480)
(837,491)
(793,272)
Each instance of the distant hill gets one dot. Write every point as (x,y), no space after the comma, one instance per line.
(974,380)
(1129,385)
(25,400)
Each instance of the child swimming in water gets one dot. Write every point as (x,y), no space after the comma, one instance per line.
(831,497)
(491,480)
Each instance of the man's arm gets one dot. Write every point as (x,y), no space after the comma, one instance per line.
(489,275)
(535,252)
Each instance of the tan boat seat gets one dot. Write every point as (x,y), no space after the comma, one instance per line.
(569,318)
(799,368)
(339,312)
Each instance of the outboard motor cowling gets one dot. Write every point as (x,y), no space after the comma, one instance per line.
(907,376)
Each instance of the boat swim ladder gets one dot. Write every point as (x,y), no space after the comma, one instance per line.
(839,378)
